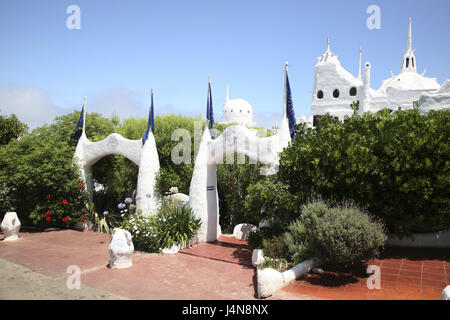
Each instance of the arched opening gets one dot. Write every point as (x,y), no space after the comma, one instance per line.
(320,94)
(234,176)
(115,178)
(336,93)
(353,91)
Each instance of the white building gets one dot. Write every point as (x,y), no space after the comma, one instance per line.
(237,111)
(335,89)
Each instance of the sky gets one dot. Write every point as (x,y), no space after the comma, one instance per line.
(124,48)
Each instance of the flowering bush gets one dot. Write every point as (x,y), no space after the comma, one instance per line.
(172,224)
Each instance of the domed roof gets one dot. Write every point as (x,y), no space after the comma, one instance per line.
(237,111)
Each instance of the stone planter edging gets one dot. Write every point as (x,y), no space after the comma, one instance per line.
(270,280)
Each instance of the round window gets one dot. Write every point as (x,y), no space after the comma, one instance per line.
(336,93)
(353,91)
(320,94)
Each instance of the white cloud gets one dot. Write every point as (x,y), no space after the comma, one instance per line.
(32,105)
(126,103)
(35,106)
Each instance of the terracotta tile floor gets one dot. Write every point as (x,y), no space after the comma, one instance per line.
(226,249)
(406,274)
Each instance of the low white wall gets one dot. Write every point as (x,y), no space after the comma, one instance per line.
(439,239)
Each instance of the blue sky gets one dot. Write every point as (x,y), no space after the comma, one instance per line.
(124,48)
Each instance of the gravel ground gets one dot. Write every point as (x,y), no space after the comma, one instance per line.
(20,283)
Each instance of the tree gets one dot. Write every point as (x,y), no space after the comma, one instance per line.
(11,128)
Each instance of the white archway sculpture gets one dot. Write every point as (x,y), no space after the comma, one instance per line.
(203,198)
(142,152)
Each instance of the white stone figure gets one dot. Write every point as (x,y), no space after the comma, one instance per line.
(10,226)
(335,89)
(145,156)
(179,198)
(243,230)
(257,257)
(446,293)
(121,249)
(203,198)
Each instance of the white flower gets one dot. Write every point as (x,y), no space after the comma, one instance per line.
(137,232)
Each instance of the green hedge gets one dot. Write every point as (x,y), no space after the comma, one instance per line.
(396,166)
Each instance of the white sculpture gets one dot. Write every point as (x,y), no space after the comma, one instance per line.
(203,197)
(257,257)
(446,293)
(10,226)
(143,153)
(121,249)
(243,230)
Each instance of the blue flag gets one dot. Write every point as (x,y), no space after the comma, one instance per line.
(150,122)
(290,108)
(209,110)
(79,128)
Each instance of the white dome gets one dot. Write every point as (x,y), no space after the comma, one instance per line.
(238,111)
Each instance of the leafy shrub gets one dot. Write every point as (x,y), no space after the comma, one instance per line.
(172,224)
(339,235)
(275,247)
(270,200)
(394,165)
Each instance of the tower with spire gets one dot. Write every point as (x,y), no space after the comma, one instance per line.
(335,89)
(409,63)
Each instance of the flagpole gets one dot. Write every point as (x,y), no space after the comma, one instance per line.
(84,114)
(285,89)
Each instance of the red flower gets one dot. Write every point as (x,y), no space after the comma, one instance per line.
(59,202)
(27,198)
(48,196)
(64,202)
(80,185)
(83,219)
(65,219)
(35,198)
(42,216)
(49,219)
(48,213)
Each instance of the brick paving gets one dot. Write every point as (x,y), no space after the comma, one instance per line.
(206,271)
(406,274)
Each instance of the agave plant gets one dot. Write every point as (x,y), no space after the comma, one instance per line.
(176,224)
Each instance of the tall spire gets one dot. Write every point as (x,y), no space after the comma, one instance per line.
(409,59)
(409,37)
(328,43)
(359,67)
